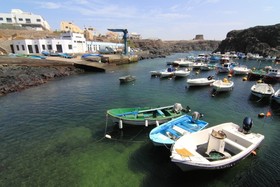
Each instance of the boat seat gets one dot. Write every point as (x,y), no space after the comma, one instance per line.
(173,133)
(234,144)
(180,130)
(160,112)
(182,126)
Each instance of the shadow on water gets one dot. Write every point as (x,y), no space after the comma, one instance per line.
(259,102)
(155,162)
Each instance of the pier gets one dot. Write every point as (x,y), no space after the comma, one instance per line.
(107,63)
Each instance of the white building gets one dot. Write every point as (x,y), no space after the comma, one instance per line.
(24,19)
(67,43)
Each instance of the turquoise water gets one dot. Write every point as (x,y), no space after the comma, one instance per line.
(53,134)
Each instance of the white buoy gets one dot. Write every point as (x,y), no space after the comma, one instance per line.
(120,124)
(157,123)
(146,123)
(108,136)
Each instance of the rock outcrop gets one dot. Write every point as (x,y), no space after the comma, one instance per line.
(19,76)
(159,48)
(262,40)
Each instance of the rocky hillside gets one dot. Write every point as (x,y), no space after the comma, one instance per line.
(160,48)
(264,40)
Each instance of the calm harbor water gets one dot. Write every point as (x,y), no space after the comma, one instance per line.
(53,134)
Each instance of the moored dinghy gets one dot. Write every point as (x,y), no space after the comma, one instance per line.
(146,115)
(262,90)
(200,81)
(167,133)
(223,85)
(217,147)
(127,78)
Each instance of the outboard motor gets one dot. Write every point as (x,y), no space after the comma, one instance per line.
(177,108)
(195,116)
(247,124)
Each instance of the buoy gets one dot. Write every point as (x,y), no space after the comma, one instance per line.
(244,79)
(120,124)
(261,115)
(108,136)
(146,123)
(254,153)
(157,123)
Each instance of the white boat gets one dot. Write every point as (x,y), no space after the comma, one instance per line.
(276,96)
(262,90)
(223,85)
(217,147)
(198,65)
(164,72)
(182,62)
(200,81)
(224,68)
(182,72)
(241,70)
(169,72)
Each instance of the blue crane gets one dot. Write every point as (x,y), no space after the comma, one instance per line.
(125,36)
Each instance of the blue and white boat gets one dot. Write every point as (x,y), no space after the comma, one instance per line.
(167,133)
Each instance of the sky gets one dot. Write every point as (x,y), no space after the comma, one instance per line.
(155,19)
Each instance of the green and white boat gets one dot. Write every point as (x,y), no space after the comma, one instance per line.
(146,115)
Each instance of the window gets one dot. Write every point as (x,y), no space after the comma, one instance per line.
(28,20)
(49,47)
(20,19)
(22,47)
(9,20)
(44,47)
(38,20)
(17,47)
(70,47)
(1,19)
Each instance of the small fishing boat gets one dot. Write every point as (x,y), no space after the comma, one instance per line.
(127,78)
(182,62)
(146,115)
(223,85)
(262,90)
(272,76)
(256,74)
(217,147)
(200,81)
(169,72)
(182,72)
(167,133)
(276,96)
(241,70)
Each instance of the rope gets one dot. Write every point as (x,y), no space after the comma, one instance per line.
(106,135)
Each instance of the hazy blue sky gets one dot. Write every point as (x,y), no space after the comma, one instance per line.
(163,19)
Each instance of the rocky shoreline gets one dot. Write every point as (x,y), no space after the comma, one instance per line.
(17,74)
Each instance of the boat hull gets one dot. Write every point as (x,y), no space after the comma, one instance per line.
(193,151)
(222,86)
(167,133)
(145,115)
(200,82)
(262,90)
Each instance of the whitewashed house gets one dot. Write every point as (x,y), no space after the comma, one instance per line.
(24,19)
(67,43)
